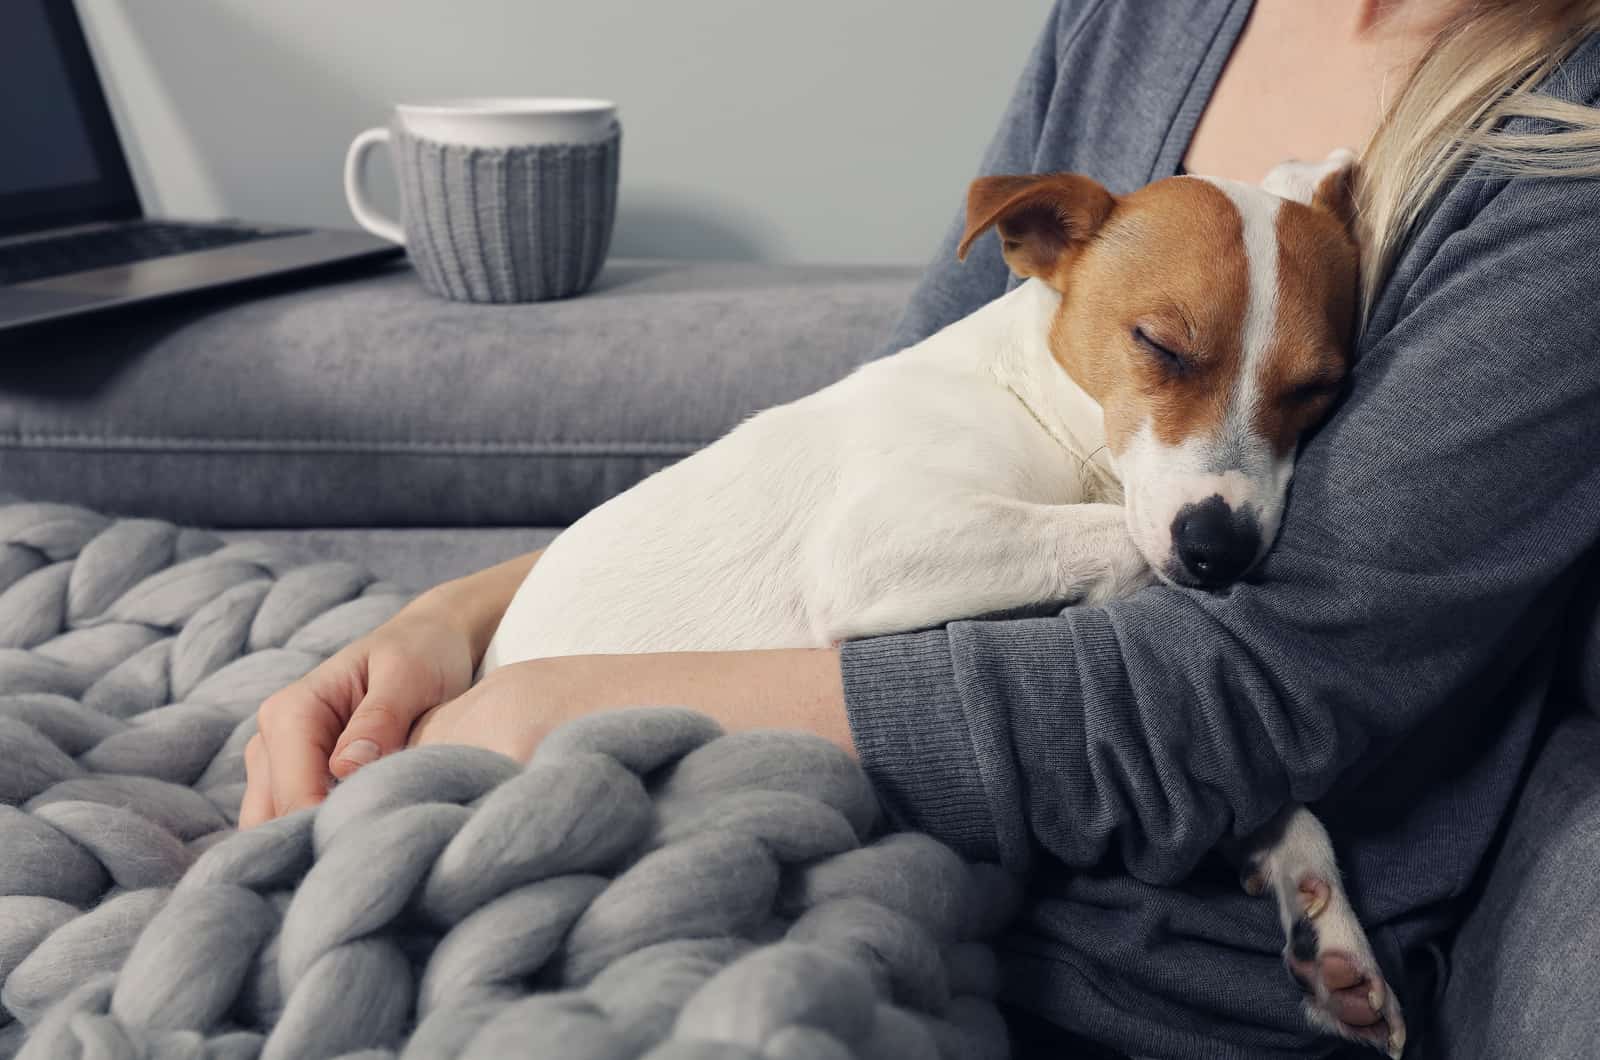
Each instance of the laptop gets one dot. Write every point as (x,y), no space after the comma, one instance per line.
(73,238)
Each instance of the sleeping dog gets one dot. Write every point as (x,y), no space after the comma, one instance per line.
(1130,412)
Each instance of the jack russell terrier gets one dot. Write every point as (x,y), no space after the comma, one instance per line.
(1129,413)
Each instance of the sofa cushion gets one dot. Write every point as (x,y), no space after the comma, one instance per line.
(368,402)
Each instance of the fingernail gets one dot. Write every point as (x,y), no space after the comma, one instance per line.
(1375,998)
(360,752)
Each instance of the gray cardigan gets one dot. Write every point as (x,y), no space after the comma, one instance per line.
(1387,664)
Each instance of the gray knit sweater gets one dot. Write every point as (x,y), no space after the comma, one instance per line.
(1388,664)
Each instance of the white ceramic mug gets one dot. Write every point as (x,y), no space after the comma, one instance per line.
(486,122)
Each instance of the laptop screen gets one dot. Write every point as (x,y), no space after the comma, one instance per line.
(62,164)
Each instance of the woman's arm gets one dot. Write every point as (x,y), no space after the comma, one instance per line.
(513,708)
(1432,523)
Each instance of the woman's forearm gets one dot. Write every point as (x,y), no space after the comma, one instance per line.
(515,707)
(478,601)
(743,689)
(789,688)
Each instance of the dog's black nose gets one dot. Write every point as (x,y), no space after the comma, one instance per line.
(1214,544)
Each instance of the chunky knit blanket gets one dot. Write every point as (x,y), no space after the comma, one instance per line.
(645,887)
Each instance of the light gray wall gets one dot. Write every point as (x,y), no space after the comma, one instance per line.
(759,130)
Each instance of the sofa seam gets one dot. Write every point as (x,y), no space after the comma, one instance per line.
(576,448)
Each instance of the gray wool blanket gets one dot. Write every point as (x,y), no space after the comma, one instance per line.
(644,887)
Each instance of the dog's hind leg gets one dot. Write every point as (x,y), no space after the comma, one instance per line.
(1325,948)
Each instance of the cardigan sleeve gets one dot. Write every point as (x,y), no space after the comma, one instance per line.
(1432,521)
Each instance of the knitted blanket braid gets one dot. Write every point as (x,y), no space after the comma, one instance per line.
(646,886)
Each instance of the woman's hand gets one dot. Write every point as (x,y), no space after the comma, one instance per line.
(514,707)
(360,704)
(356,706)
(511,710)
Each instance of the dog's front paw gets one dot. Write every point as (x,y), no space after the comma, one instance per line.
(1345,990)
(1327,952)
(1123,570)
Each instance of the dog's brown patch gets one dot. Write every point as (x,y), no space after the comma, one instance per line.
(1170,260)
(1308,354)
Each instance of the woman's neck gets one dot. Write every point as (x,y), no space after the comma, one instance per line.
(1306,78)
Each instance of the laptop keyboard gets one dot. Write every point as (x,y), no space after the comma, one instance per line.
(123,245)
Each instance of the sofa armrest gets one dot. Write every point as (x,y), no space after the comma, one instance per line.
(369,402)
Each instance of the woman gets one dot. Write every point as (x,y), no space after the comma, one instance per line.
(1390,662)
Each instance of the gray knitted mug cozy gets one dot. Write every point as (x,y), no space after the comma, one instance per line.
(517,224)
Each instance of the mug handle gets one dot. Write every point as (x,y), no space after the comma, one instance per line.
(365,215)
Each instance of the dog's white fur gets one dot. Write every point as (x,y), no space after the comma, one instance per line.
(965,475)
(916,490)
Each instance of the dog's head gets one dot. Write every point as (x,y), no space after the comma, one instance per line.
(1212,322)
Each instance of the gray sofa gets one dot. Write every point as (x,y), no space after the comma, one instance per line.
(426,438)
(363,419)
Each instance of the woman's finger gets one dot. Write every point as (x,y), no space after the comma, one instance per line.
(299,729)
(256,807)
(400,687)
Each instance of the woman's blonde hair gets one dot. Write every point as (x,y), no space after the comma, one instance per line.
(1480,68)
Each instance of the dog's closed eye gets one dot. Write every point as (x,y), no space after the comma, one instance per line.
(1169,358)
(1313,391)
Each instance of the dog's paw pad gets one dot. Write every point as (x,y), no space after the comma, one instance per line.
(1346,993)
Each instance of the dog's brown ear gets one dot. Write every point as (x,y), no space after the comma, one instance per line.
(1336,194)
(1329,185)
(1038,217)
